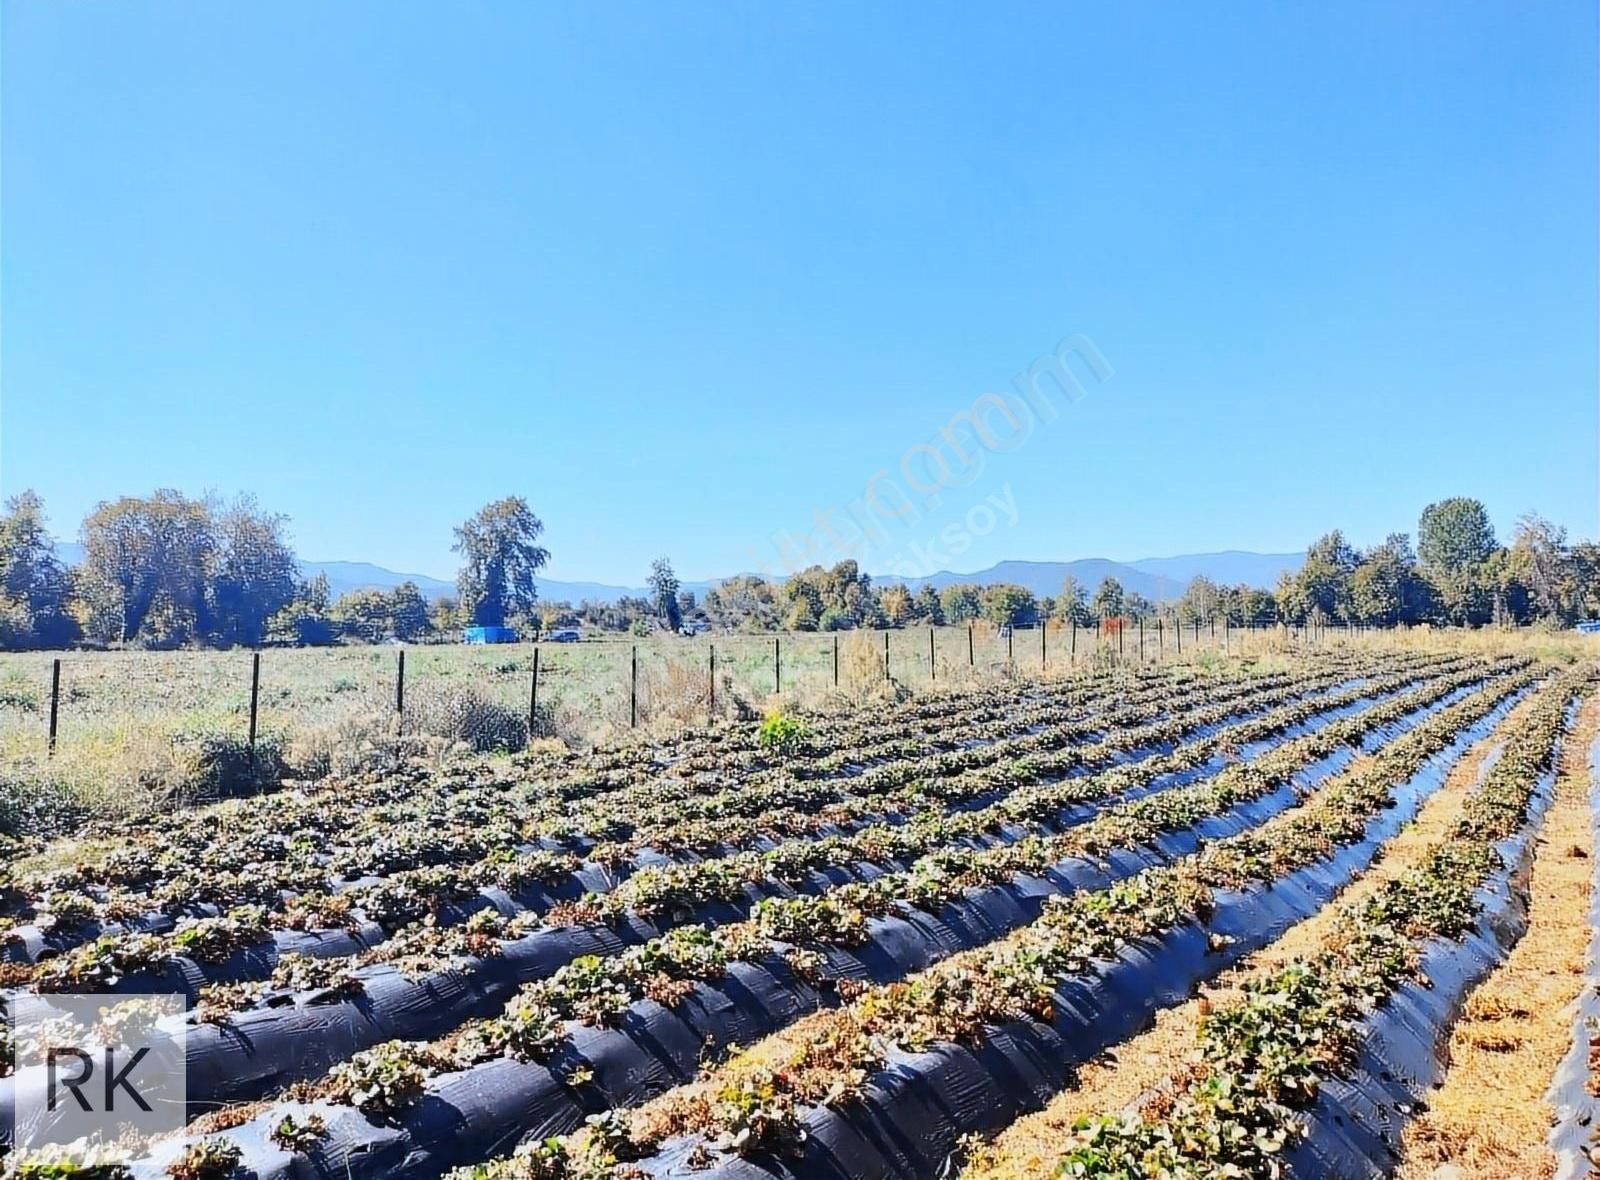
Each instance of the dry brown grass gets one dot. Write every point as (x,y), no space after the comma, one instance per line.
(1121,1077)
(1488,1120)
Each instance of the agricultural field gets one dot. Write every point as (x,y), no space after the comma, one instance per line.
(1303,910)
(138,730)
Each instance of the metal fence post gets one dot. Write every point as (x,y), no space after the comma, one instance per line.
(400,683)
(1072,653)
(55,701)
(777,665)
(971,660)
(255,697)
(633,687)
(713,678)
(533,696)
(836,659)
(1044,654)
(933,671)
(886,653)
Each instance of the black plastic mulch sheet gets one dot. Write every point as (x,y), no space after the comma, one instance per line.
(916,1110)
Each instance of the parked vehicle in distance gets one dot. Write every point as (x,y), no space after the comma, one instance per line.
(564,635)
(1588,627)
(490,635)
(694,627)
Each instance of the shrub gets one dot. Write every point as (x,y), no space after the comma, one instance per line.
(221,763)
(464,713)
(783,734)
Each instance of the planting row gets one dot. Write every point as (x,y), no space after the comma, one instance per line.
(738,982)
(490,844)
(1315,1071)
(289,827)
(230,1062)
(886,1085)
(236,948)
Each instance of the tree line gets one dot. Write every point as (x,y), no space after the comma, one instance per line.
(165,570)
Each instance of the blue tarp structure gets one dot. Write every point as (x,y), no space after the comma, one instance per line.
(491,635)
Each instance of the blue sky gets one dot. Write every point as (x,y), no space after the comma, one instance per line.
(686,275)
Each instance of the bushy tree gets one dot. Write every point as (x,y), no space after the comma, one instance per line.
(144,569)
(500,558)
(1072,604)
(1454,544)
(34,585)
(252,573)
(1201,601)
(307,620)
(744,603)
(408,612)
(1109,599)
(962,602)
(1539,564)
(1007,605)
(363,614)
(895,601)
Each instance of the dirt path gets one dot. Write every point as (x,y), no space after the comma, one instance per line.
(1489,1120)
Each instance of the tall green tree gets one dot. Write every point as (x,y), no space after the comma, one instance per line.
(1006,605)
(501,554)
(1540,565)
(34,585)
(962,602)
(145,568)
(1320,590)
(1110,600)
(1072,604)
(408,612)
(1455,542)
(664,586)
(251,575)
(363,614)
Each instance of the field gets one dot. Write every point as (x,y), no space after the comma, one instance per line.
(141,729)
(1305,908)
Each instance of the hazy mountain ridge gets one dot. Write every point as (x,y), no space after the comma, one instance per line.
(1157,578)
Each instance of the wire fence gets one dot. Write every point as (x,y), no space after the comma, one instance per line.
(47,700)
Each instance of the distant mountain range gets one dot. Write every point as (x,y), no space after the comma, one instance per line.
(1157,578)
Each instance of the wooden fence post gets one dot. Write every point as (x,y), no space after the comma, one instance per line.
(971,662)
(1141,639)
(1011,645)
(1072,652)
(713,678)
(55,702)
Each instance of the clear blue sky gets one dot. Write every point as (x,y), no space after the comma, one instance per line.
(684,274)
